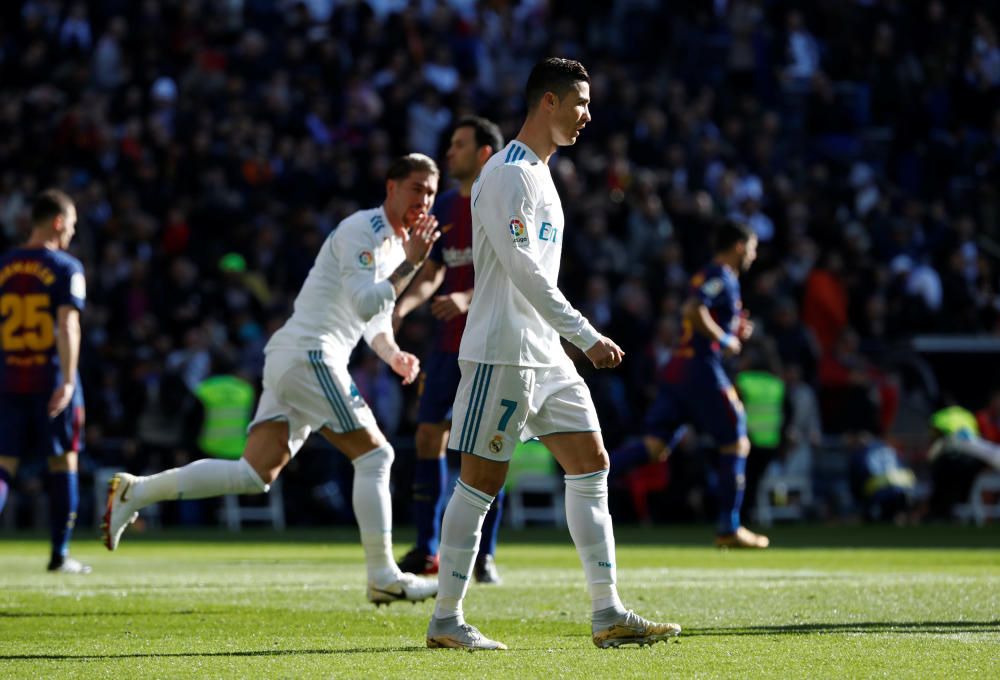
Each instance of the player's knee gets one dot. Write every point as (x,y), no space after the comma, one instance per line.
(251,479)
(64,463)
(741,448)
(588,485)
(429,440)
(597,460)
(375,462)
(483,475)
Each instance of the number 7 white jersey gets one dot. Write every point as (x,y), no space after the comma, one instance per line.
(346,294)
(518,312)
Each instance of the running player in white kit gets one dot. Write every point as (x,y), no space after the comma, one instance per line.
(517,381)
(361,268)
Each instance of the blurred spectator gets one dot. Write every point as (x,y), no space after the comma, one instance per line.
(802,427)
(958,455)
(881,485)
(801,52)
(824,304)
(988,418)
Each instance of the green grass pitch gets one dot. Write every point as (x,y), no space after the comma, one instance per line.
(846,602)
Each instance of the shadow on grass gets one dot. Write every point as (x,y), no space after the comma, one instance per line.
(898,627)
(169,655)
(90,613)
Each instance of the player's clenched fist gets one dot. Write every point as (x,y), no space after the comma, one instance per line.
(421,236)
(605,353)
(405,365)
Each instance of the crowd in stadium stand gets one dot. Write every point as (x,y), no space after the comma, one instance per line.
(211,147)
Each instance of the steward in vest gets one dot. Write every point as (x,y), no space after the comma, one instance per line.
(228,405)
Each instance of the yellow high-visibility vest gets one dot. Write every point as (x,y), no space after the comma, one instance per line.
(763,397)
(228,403)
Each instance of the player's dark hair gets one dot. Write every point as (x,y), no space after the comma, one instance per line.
(554,75)
(49,205)
(404,166)
(731,232)
(487,132)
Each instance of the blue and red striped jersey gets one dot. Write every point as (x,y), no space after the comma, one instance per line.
(34,283)
(453,250)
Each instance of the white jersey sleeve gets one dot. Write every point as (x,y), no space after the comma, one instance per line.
(518,312)
(346,294)
(358,255)
(516,197)
(378,324)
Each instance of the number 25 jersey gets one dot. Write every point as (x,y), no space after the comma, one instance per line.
(34,283)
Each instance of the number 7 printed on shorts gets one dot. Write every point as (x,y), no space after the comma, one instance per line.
(509,408)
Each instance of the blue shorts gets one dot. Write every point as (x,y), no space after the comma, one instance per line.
(27,431)
(438,385)
(700,395)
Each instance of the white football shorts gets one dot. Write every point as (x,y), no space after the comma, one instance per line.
(498,406)
(309,391)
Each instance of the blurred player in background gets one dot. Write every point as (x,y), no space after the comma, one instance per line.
(517,381)
(42,292)
(448,272)
(350,292)
(695,388)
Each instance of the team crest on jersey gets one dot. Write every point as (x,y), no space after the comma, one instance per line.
(712,287)
(366,259)
(518,232)
(496,444)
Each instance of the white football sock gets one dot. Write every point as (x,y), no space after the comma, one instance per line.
(200,479)
(590,526)
(461,529)
(372,504)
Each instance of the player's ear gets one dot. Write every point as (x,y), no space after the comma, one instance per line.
(550,101)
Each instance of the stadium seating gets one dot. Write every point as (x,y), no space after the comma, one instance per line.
(233,513)
(534,492)
(774,494)
(984,499)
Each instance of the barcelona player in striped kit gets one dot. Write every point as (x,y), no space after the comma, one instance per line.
(449,273)
(42,292)
(695,388)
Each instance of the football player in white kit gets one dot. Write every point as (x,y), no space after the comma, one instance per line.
(361,268)
(517,381)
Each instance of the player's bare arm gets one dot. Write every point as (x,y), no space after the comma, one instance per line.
(68,346)
(406,365)
(700,318)
(447,307)
(417,246)
(425,283)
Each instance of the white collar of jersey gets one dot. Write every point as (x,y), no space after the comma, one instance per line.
(385,218)
(518,151)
